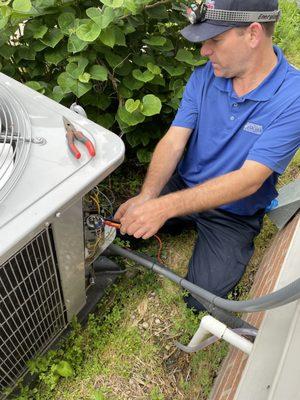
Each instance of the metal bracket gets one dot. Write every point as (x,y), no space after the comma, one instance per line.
(288,204)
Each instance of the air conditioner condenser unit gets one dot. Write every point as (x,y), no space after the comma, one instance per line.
(43,234)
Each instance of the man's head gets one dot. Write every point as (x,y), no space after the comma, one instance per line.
(232,36)
(210,18)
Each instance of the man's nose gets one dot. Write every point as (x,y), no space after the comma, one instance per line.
(206,50)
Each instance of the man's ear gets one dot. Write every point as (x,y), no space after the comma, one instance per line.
(255,34)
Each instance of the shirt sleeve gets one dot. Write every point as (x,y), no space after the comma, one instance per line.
(187,113)
(280,141)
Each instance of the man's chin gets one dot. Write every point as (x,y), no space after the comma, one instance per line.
(219,73)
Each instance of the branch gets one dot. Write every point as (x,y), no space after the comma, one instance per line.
(158,3)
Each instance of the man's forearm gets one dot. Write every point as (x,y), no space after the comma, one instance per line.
(214,193)
(164,161)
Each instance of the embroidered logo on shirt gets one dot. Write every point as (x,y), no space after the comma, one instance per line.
(253,128)
(210,4)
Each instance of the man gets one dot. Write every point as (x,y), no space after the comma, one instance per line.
(239,122)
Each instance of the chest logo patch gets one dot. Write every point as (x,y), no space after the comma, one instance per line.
(253,128)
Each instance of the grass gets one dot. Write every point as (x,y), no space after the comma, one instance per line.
(126,350)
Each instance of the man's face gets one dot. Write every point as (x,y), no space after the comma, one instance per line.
(228,53)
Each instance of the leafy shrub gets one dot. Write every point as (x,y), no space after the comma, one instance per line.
(124,61)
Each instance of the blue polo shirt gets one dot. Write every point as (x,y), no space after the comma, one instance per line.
(263,125)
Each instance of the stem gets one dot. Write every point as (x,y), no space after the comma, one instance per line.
(158,3)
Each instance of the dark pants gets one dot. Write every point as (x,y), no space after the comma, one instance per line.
(223,247)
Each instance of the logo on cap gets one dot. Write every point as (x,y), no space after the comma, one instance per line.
(210,4)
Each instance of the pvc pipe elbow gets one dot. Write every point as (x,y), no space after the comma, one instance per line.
(210,325)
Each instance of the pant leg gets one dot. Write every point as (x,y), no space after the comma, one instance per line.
(175,226)
(222,251)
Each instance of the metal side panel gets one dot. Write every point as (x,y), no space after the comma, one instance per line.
(272,370)
(69,243)
(32,312)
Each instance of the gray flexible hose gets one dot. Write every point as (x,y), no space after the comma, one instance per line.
(279,298)
(213,339)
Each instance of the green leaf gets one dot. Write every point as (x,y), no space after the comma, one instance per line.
(113,59)
(37,46)
(174,71)
(108,16)
(133,139)
(155,41)
(158,80)
(151,105)
(57,94)
(98,72)
(132,83)
(124,92)
(125,68)
(75,70)
(188,58)
(35,85)
(53,37)
(176,84)
(145,76)
(154,69)
(99,100)
(26,53)
(35,28)
(132,105)
(3,22)
(159,12)
(107,37)
(40,32)
(113,3)
(43,4)
(131,6)
(119,36)
(69,84)
(85,77)
(64,368)
(107,120)
(144,156)
(167,47)
(75,45)
(55,56)
(95,15)
(66,22)
(143,60)
(130,119)
(22,6)
(102,19)
(88,32)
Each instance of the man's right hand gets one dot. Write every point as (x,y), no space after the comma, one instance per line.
(131,203)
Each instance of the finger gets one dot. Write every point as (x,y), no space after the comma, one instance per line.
(120,212)
(140,233)
(149,234)
(134,227)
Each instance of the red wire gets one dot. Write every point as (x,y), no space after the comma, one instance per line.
(159,248)
(118,226)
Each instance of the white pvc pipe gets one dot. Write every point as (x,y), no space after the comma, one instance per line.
(209,324)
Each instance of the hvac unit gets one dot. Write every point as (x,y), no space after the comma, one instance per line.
(43,233)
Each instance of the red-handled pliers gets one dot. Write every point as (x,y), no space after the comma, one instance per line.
(71,134)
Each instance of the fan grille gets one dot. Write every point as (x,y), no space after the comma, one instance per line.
(15,141)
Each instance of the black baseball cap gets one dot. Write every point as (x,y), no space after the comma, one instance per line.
(218,16)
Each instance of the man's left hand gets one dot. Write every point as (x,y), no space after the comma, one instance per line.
(143,221)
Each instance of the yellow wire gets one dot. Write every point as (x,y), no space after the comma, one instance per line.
(96,201)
